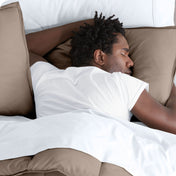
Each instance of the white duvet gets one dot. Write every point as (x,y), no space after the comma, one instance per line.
(140,150)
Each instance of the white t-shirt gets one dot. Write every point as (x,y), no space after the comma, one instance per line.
(82,88)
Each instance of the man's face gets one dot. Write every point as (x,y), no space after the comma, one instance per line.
(119,60)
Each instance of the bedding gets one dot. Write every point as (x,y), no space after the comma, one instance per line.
(32,153)
(154,13)
(13,118)
(154,56)
(15,82)
(138,149)
(59,162)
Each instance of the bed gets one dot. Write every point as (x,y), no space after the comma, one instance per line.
(61,144)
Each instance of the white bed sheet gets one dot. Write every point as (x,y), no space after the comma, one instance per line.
(13,119)
(138,149)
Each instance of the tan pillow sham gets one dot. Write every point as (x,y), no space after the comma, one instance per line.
(153,52)
(15,84)
(60,56)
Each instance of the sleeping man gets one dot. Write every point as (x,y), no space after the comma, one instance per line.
(99,78)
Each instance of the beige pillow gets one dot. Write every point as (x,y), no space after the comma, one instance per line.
(15,82)
(154,54)
(60,55)
(153,51)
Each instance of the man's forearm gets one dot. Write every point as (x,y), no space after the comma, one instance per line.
(43,41)
(35,58)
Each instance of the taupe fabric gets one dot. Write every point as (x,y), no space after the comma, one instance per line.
(66,161)
(42,174)
(60,55)
(60,162)
(112,170)
(153,52)
(14,166)
(15,81)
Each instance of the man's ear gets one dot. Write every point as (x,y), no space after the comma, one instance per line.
(99,57)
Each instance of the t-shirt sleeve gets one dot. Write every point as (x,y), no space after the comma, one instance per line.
(131,88)
(38,70)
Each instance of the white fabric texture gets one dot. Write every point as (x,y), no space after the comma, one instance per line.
(140,150)
(2,2)
(13,118)
(78,88)
(43,14)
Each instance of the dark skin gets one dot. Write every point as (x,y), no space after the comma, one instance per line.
(40,43)
(146,109)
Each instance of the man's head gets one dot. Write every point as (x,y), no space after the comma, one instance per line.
(102,44)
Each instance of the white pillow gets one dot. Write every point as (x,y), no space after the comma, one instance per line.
(42,14)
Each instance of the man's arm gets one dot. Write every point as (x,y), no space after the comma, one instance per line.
(44,41)
(35,58)
(156,115)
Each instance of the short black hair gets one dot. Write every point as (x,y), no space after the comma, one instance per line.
(101,35)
